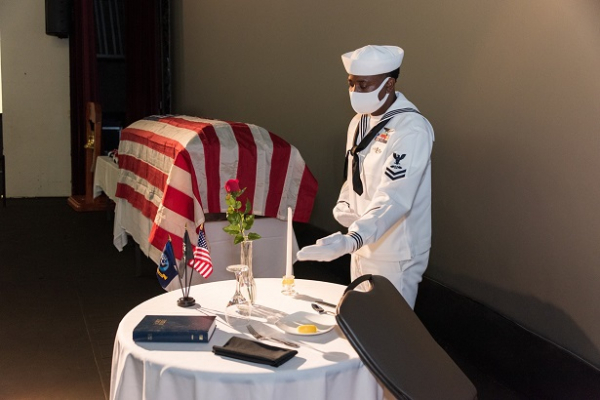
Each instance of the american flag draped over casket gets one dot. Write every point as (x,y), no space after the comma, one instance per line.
(174,168)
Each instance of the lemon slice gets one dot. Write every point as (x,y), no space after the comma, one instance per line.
(307,329)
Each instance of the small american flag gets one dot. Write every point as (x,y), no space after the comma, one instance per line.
(202,262)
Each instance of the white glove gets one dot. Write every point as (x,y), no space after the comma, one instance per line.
(344,214)
(328,248)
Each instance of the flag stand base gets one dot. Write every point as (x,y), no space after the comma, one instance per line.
(186,302)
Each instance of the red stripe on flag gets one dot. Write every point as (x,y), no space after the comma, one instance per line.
(137,200)
(247,160)
(184,162)
(122,191)
(179,202)
(279,164)
(202,261)
(144,170)
(204,269)
(159,237)
(212,158)
(202,264)
(212,166)
(161,144)
(306,196)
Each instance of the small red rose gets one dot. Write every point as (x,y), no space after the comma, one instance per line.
(232,185)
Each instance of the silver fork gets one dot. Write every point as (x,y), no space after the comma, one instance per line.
(258,336)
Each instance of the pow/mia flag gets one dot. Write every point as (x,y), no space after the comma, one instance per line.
(396,171)
(166,269)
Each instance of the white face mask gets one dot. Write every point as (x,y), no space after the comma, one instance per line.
(367,103)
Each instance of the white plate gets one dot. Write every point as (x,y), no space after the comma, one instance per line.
(290,323)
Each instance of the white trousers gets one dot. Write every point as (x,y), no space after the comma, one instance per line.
(405,275)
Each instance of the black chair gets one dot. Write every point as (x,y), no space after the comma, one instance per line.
(396,347)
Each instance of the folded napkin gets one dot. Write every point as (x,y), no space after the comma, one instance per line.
(256,352)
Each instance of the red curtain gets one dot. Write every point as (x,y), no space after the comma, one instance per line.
(83,85)
(143,59)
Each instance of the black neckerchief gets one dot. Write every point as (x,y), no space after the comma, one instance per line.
(366,140)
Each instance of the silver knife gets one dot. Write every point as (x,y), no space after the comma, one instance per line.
(326,303)
(260,336)
(314,300)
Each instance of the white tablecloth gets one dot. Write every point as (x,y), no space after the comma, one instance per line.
(106,176)
(326,366)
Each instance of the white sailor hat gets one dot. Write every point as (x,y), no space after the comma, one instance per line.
(373,60)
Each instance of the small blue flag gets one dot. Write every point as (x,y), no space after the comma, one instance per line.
(167,269)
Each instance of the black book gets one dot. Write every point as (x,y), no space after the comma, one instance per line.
(175,328)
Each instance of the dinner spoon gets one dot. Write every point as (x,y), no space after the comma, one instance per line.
(320,309)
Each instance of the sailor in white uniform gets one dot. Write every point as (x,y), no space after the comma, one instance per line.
(385,201)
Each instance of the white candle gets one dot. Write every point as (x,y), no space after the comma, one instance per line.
(290,230)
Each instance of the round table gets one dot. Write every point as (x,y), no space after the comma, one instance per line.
(326,366)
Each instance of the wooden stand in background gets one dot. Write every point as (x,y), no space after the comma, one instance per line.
(2,167)
(93,149)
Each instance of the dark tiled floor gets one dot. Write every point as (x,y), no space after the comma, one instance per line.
(64,288)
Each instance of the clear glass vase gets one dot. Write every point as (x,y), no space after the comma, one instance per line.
(249,287)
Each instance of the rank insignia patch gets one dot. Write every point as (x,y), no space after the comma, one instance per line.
(396,171)
(382,137)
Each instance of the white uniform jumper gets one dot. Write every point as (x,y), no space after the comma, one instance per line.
(393,213)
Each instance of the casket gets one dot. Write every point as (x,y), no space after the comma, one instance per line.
(172,173)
